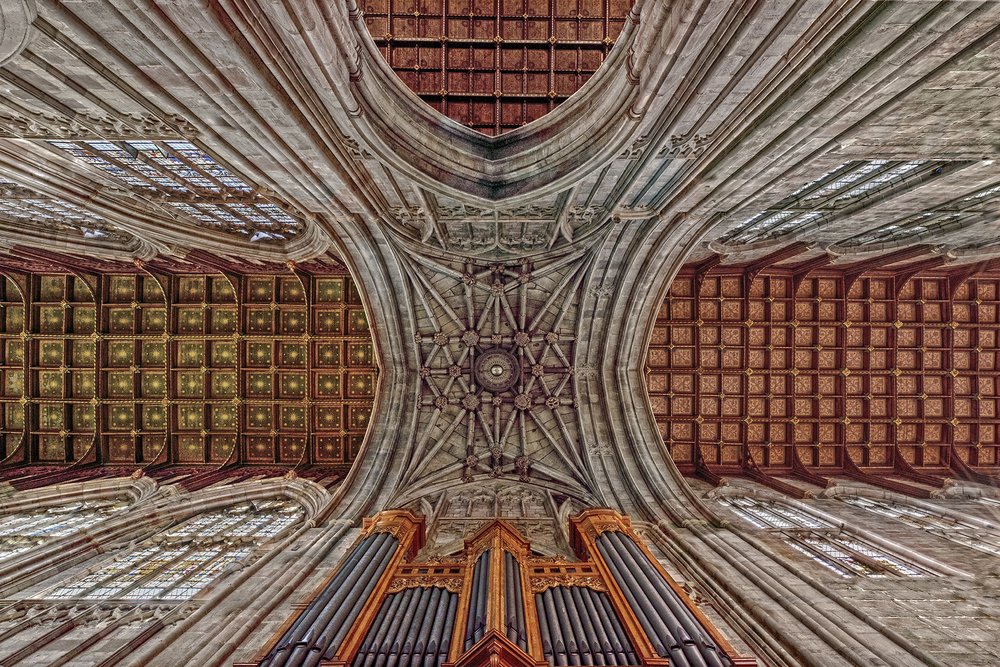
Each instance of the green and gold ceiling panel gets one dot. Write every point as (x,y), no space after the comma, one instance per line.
(224,417)
(358,417)
(223,354)
(357,322)
(82,385)
(224,385)
(259,385)
(121,417)
(13,383)
(121,353)
(51,352)
(328,386)
(291,448)
(360,384)
(190,354)
(327,354)
(293,322)
(293,418)
(13,352)
(154,417)
(190,384)
(83,353)
(84,320)
(190,448)
(329,449)
(51,319)
(361,354)
(260,416)
(329,290)
(191,416)
(154,353)
(293,354)
(259,354)
(293,385)
(224,320)
(191,320)
(329,322)
(51,384)
(221,447)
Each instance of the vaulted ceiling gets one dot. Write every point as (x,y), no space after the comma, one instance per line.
(267,141)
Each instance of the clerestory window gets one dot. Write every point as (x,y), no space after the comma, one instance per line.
(832,547)
(27,530)
(980,538)
(179,562)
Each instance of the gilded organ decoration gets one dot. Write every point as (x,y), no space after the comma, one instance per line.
(495,602)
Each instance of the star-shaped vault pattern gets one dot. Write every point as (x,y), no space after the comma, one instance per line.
(496,345)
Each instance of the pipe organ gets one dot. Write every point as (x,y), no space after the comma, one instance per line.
(500,604)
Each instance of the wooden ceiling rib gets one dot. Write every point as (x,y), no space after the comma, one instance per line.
(186,365)
(495,65)
(887,375)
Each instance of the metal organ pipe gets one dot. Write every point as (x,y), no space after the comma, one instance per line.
(514,602)
(307,639)
(344,607)
(670,620)
(478,599)
(413,630)
(578,627)
(696,632)
(594,644)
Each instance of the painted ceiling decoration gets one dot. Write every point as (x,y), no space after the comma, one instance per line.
(157,366)
(495,65)
(791,371)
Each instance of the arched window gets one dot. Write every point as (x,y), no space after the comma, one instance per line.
(178,562)
(832,547)
(980,538)
(27,530)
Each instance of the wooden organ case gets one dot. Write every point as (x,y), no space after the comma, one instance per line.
(498,604)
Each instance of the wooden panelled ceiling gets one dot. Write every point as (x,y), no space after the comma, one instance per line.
(203,363)
(886,370)
(495,65)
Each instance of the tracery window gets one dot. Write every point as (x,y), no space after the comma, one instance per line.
(23,205)
(27,530)
(818,201)
(830,546)
(975,537)
(179,562)
(190,181)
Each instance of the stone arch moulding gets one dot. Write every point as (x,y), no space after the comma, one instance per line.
(587,130)
(16,17)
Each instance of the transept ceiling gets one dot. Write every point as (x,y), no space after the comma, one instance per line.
(255,140)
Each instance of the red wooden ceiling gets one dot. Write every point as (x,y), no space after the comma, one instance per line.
(495,65)
(888,376)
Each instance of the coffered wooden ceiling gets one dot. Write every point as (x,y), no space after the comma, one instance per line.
(495,65)
(795,370)
(203,362)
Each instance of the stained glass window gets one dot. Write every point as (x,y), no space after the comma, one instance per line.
(180,561)
(27,530)
(980,538)
(830,546)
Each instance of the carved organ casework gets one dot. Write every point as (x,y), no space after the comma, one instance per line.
(498,604)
